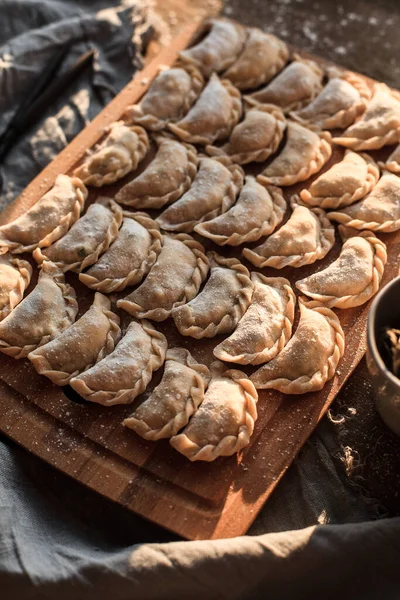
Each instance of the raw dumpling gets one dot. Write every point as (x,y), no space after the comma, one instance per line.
(174,279)
(174,400)
(213,116)
(338,105)
(91,235)
(256,137)
(45,313)
(310,358)
(257,212)
(218,49)
(378,126)
(225,420)
(306,237)
(48,219)
(263,56)
(379,211)
(296,86)
(392,163)
(129,258)
(15,275)
(266,326)
(354,277)
(346,182)
(126,372)
(213,191)
(120,153)
(169,97)
(304,154)
(165,179)
(222,302)
(80,346)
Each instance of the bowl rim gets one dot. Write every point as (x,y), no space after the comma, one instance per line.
(371,339)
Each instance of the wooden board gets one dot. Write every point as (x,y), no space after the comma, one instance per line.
(88,442)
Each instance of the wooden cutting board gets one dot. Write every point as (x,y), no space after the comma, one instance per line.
(88,442)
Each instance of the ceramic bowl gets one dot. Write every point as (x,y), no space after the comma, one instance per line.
(384,312)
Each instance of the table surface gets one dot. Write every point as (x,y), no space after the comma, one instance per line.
(363,36)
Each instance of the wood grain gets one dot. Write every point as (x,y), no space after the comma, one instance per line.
(88,442)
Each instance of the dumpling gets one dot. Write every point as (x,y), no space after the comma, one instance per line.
(379,211)
(174,400)
(221,303)
(304,154)
(225,420)
(126,372)
(341,101)
(175,278)
(263,56)
(218,49)
(121,152)
(129,258)
(392,163)
(257,212)
(213,116)
(15,275)
(296,86)
(87,239)
(266,326)
(346,182)
(213,191)
(306,237)
(48,219)
(80,346)
(256,137)
(45,313)
(354,277)
(378,126)
(311,356)
(169,97)
(165,179)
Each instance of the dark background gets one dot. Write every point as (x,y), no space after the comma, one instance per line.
(362,35)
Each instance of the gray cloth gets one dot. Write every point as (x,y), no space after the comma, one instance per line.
(30,32)
(60,540)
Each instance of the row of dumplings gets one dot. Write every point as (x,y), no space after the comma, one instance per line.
(207,113)
(232,57)
(258,310)
(219,204)
(226,304)
(104,366)
(255,139)
(112,249)
(109,368)
(139,249)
